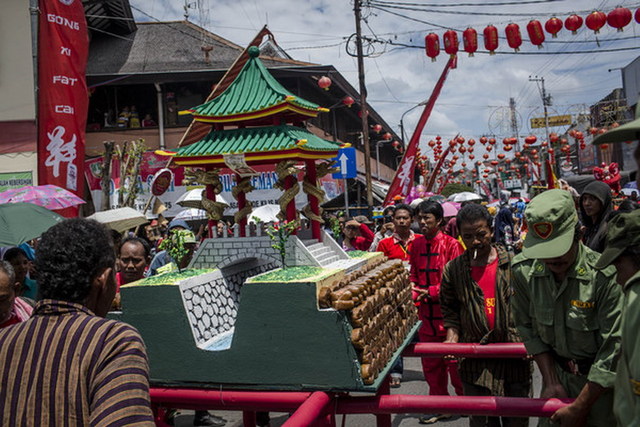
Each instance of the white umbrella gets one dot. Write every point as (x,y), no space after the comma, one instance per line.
(193,199)
(120,219)
(192,214)
(465,196)
(265,213)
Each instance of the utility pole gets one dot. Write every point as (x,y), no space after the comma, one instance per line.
(364,107)
(546,101)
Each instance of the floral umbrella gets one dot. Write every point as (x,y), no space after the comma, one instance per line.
(51,197)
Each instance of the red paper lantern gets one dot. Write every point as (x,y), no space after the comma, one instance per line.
(472,156)
(553,137)
(463,164)
(485,156)
(432,46)
(506,141)
(573,23)
(551,150)
(450,39)
(518,154)
(460,140)
(508,147)
(578,135)
(637,15)
(478,163)
(514,39)
(489,147)
(492,141)
(348,101)
(595,21)
(490,39)
(377,128)
(462,150)
(604,147)
(395,144)
(553,26)
(536,35)
(531,139)
(483,140)
(501,156)
(494,162)
(470,40)
(324,82)
(387,137)
(619,18)
(432,143)
(485,176)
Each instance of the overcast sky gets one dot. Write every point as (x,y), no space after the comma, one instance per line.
(475,95)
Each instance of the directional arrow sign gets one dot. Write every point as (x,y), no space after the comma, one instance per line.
(347,163)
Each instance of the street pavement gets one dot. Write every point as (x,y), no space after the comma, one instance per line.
(412,383)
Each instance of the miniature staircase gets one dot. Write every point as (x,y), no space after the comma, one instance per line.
(329,255)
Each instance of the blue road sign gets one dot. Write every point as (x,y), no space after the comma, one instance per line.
(346,163)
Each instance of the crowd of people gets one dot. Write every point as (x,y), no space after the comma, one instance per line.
(528,272)
(546,273)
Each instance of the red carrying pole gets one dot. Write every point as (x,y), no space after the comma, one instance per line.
(228,400)
(501,350)
(310,411)
(470,405)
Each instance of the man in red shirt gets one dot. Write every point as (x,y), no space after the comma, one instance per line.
(13,309)
(357,235)
(475,296)
(431,251)
(398,246)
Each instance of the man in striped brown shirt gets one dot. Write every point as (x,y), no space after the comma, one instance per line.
(67,365)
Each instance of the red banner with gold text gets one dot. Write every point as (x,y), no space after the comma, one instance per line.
(63,47)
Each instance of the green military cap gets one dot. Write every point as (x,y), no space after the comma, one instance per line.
(551,219)
(623,232)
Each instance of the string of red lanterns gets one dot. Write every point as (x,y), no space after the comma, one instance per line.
(618,18)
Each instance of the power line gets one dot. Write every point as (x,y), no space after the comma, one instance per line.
(507,3)
(381,5)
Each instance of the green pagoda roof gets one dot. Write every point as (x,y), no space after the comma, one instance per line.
(254,95)
(258,144)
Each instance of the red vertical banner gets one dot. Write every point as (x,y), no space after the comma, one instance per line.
(63,47)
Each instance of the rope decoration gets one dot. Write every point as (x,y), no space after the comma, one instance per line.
(315,190)
(214,209)
(285,169)
(243,186)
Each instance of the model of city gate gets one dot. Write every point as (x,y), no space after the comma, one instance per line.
(236,318)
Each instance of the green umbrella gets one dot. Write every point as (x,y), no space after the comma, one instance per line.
(21,222)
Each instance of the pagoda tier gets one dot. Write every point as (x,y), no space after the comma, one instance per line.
(255,98)
(259,145)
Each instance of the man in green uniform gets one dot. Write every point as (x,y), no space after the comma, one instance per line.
(623,251)
(567,312)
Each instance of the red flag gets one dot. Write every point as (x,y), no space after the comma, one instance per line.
(403,179)
(63,47)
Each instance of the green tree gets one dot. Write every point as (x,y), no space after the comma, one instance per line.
(450,189)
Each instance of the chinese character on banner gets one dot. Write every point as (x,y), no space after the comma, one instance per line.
(63,47)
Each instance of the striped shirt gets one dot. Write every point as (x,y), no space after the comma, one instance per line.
(66,366)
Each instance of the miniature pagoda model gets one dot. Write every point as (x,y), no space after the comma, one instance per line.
(257,121)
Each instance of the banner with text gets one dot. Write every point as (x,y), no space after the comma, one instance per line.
(63,46)
(264,193)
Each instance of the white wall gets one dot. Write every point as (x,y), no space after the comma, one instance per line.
(17,99)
